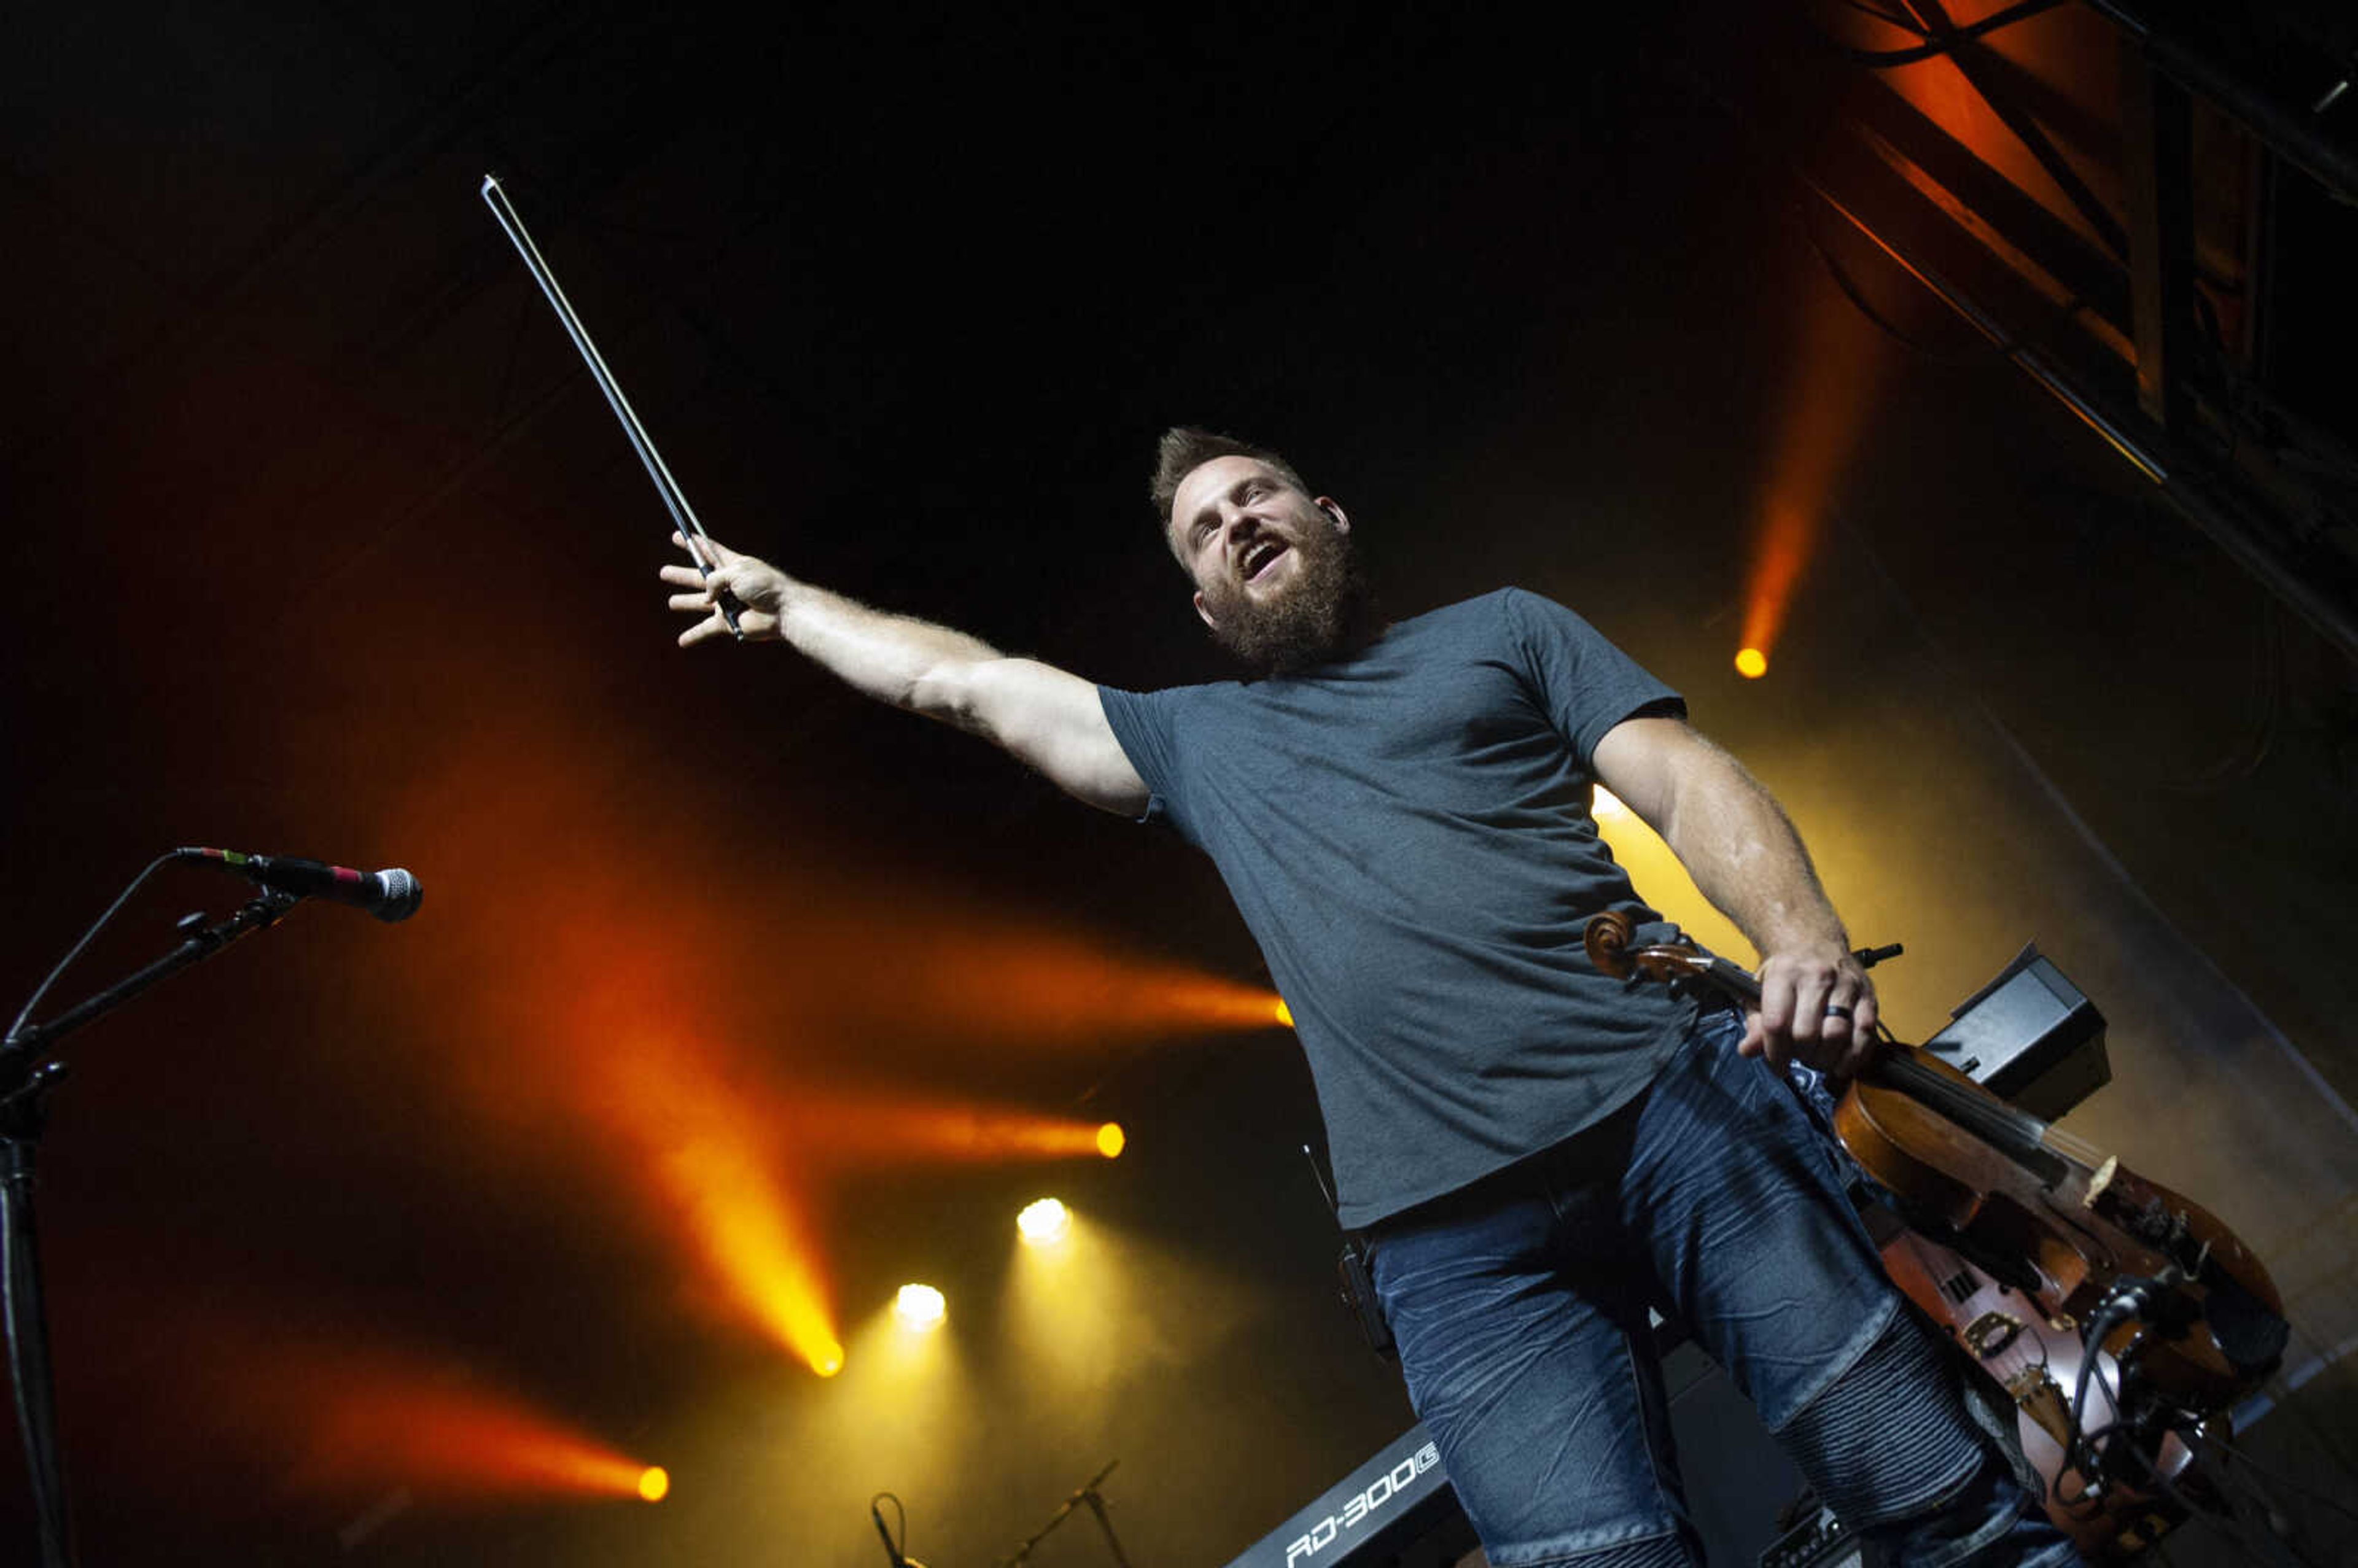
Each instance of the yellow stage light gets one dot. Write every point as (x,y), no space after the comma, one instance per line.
(920,1307)
(1751,663)
(707,1154)
(1284,1014)
(654,1483)
(827,1360)
(1112,1140)
(1044,1223)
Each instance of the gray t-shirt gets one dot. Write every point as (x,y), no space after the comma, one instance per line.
(1407,834)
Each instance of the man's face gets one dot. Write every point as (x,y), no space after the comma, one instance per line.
(1271,565)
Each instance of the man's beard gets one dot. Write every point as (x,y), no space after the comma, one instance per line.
(1324,613)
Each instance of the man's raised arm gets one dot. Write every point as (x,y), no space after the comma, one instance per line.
(1046,716)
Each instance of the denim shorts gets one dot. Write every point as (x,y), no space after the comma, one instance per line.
(1519,1306)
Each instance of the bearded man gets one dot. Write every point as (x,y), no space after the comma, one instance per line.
(1536,1152)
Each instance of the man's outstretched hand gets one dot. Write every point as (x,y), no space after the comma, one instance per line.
(758,588)
(1817,1006)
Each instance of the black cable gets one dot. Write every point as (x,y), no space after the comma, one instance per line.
(2225,1518)
(2079,1453)
(1985,351)
(1941,41)
(120,900)
(2268,682)
(2241,1457)
(2089,1493)
(901,1515)
(2087,1500)
(1904,24)
(1980,353)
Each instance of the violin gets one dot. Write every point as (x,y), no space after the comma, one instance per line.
(2147,1277)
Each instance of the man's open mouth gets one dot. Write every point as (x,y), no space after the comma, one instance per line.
(1259,558)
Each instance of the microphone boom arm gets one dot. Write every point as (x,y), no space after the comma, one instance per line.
(19,1053)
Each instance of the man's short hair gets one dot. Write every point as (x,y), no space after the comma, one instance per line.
(1185,447)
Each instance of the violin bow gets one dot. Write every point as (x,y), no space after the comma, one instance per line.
(674,500)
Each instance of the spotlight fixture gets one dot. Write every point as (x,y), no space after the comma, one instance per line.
(1112,1140)
(1044,1223)
(1751,662)
(920,1307)
(654,1483)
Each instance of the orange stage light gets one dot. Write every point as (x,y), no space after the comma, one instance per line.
(654,1483)
(367,1422)
(1837,371)
(2071,56)
(1042,988)
(838,1128)
(1112,1140)
(1751,662)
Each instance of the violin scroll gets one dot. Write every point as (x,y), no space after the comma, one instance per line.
(1611,939)
(1608,941)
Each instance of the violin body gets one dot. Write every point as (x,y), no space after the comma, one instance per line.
(2065,1235)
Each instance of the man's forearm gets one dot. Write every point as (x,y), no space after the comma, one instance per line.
(909,663)
(1048,719)
(1737,842)
(1746,858)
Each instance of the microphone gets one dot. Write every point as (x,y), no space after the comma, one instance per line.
(390,896)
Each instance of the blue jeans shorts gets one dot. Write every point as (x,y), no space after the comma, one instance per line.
(1520,1307)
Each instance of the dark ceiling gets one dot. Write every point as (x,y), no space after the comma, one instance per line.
(325,545)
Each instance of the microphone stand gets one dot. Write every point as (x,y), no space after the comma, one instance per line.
(28,1070)
(1096,1500)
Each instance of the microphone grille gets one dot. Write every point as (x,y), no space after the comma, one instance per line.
(402,895)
